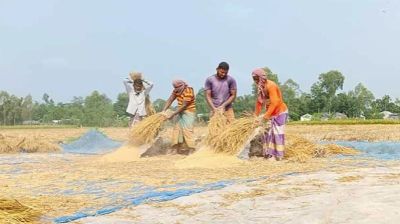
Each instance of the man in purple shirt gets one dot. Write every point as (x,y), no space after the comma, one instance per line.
(221,91)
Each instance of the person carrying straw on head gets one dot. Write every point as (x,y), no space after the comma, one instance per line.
(270,95)
(182,135)
(221,92)
(139,104)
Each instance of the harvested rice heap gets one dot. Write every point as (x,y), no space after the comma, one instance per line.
(147,130)
(216,125)
(14,144)
(233,137)
(299,149)
(11,211)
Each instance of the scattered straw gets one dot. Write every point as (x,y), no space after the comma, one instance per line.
(147,130)
(12,211)
(126,153)
(349,178)
(205,158)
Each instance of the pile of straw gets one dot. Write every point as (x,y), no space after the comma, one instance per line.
(14,144)
(299,149)
(233,137)
(216,125)
(147,130)
(11,211)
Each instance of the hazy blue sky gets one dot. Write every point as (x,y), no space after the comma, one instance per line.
(73,47)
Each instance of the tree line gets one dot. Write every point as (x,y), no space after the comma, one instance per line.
(99,110)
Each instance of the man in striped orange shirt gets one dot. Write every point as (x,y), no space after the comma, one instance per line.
(182,135)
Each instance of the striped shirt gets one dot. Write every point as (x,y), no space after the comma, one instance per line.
(188,96)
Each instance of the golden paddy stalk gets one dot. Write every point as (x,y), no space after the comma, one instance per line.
(12,211)
(234,136)
(147,130)
(216,125)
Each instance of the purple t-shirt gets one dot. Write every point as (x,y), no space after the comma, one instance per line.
(220,89)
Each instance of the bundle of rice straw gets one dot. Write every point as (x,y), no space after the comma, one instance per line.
(216,125)
(135,75)
(234,136)
(11,211)
(147,130)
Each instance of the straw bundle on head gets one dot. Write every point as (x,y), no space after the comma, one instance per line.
(135,75)
(216,125)
(11,211)
(147,130)
(234,136)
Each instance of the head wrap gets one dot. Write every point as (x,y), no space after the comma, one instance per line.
(179,86)
(262,79)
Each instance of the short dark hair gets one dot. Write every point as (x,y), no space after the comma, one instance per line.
(223,65)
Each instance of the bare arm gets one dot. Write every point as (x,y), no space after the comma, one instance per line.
(169,101)
(147,86)
(231,98)
(209,100)
(128,86)
(180,109)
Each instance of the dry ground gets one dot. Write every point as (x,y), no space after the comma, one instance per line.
(58,184)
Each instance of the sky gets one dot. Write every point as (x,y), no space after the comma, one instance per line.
(68,48)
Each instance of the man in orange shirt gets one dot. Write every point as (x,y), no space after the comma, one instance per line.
(182,135)
(270,95)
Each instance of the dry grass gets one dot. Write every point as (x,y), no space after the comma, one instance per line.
(14,144)
(234,136)
(349,178)
(147,130)
(13,212)
(346,132)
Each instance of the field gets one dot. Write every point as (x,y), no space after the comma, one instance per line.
(120,187)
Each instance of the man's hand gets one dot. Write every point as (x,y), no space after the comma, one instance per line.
(221,108)
(259,120)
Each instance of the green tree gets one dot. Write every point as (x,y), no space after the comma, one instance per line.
(364,99)
(98,110)
(159,104)
(291,93)
(325,89)
(27,108)
(4,98)
(244,104)
(272,76)
(201,102)
(121,104)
